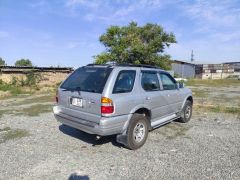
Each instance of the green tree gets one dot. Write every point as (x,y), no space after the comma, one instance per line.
(23,62)
(136,45)
(2,62)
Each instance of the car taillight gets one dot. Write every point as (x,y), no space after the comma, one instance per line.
(56,97)
(107,105)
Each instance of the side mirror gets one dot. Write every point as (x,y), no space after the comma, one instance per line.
(180,85)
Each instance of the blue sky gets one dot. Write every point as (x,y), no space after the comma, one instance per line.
(66,32)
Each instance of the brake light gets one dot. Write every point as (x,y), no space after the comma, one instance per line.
(107,105)
(56,97)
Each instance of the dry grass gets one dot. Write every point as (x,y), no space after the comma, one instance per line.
(35,110)
(219,96)
(172,130)
(199,93)
(8,134)
(213,82)
(38,99)
(217,109)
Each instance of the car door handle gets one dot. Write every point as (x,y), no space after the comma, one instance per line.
(148,98)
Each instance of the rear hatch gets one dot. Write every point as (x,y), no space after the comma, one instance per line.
(80,94)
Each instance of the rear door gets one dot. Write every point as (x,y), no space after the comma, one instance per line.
(80,94)
(171,92)
(153,96)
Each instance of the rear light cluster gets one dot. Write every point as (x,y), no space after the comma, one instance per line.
(107,106)
(56,97)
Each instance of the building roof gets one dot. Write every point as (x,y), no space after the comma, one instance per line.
(40,69)
(201,63)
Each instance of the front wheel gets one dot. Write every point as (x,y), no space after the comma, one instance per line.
(186,112)
(137,131)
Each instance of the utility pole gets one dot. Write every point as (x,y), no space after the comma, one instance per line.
(192,56)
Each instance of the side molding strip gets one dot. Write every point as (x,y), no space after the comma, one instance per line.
(163,120)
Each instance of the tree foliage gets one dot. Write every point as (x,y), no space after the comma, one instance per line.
(136,45)
(2,62)
(23,62)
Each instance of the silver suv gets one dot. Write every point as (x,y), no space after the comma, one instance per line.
(126,100)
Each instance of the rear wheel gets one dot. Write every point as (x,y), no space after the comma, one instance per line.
(186,112)
(137,131)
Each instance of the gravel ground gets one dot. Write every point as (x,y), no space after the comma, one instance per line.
(208,147)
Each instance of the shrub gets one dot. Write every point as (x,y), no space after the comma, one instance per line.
(14,81)
(32,78)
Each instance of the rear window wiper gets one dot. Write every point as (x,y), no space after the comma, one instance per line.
(66,89)
(92,90)
(78,89)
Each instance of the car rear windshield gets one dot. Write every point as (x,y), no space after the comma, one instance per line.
(89,79)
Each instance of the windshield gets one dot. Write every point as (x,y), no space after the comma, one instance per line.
(89,79)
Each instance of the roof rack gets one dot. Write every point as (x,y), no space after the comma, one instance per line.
(139,65)
(129,65)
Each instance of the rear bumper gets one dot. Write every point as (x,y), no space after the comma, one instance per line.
(106,125)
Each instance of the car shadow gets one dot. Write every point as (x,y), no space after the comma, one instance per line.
(89,138)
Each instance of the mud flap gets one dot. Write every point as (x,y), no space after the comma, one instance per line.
(122,139)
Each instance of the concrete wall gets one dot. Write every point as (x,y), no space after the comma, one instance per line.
(218,75)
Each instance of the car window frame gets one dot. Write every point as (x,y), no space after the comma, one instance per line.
(119,73)
(151,72)
(167,74)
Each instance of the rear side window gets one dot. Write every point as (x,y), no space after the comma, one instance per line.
(89,79)
(150,81)
(167,82)
(124,82)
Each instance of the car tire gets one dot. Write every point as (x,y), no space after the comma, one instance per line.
(186,112)
(137,131)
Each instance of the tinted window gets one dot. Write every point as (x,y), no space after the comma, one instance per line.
(150,81)
(90,79)
(167,82)
(124,82)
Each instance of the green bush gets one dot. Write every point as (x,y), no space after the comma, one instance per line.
(13,89)
(14,81)
(16,86)
(32,79)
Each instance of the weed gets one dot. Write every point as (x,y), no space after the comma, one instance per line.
(5,129)
(199,93)
(9,134)
(218,109)
(2,112)
(213,82)
(172,131)
(16,85)
(14,81)
(14,90)
(233,110)
(32,78)
(40,99)
(35,110)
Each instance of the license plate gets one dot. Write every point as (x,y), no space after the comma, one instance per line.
(77,102)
